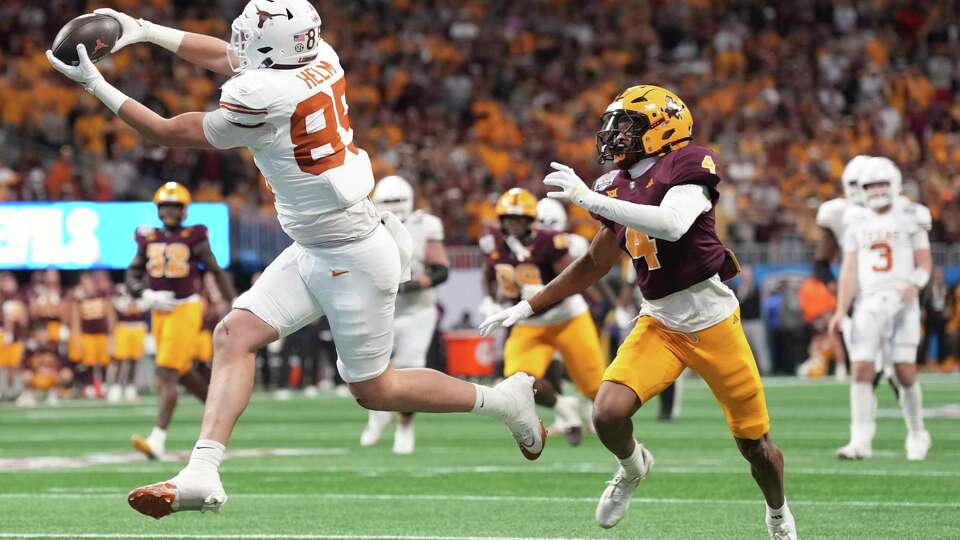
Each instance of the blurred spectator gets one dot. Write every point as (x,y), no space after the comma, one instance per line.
(753,326)
(936,302)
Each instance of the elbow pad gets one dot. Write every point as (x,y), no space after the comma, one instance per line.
(822,271)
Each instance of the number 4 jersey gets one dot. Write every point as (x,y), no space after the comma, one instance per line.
(296,124)
(171,264)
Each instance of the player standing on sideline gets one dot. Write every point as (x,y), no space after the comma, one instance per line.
(288,106)
(518,260)
(129,335)
(93,320)
(415,317)
(46,303)
(658,206)
(166,273)
(886,255)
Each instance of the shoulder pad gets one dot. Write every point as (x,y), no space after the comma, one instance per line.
(921,215)
(606,180)
(695,164)
(831,210)
(432,225)
(243,99)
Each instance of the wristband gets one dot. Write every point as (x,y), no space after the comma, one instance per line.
(164,36)
(108,94)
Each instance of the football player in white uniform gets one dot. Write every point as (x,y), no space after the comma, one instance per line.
(886,254)
(286,103)
(415,317)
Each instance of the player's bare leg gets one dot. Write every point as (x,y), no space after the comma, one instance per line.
(197,486)
(613,408)
(863,402)
(911,402)
(766,466)
(195,383)
(154,445)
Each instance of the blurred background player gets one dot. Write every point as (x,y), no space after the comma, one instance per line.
(129,335)
(415,316)
(658,205)
(43,370)
(519,259)
(886,256)
(93,319)
(14,321)
(46,303)
(166,274)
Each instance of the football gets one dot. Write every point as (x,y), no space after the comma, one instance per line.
(97,32)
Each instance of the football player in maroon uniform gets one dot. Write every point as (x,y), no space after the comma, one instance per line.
(657,205)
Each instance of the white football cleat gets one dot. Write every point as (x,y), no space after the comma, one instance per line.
(376,423)
(521,414)
(917,445)
(568,419)
(403,439)
(153,449)
(785,530)
(130,393)
(311,392)
(26,399)
(188,491)
(114,394)
(615,500)
(854,451)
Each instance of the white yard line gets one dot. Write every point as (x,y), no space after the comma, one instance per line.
(277,536)
(502,498)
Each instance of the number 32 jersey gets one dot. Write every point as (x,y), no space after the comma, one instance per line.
(171,264)
(885,244)
(296,124)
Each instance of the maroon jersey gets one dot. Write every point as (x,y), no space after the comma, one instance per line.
(171,264)
(663,267)
(45,303)
(128,309)
(93,312)
(546,249)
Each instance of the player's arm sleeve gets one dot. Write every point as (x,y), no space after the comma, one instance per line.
(669,221)
(226,129)
(920,239)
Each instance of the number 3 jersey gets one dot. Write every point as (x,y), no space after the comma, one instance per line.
(885,244)
(295,122)
(171,264)
(525,267)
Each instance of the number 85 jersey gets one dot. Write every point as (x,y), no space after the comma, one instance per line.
(295,121)
(171,264)
(885,244)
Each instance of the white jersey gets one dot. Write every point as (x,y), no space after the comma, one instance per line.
(885,245)
(423,228)
(830,216)
(295,123)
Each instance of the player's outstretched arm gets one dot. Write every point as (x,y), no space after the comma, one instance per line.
(603,254)
(210,264)
(183,130)
(207,52)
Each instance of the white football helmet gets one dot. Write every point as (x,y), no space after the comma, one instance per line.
(394,194)
(851,174)
(274,33)
(551,215)
(880,183)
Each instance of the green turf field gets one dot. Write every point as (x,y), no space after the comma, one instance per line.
(468,480)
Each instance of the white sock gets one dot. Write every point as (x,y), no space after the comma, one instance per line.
(158,436)
(207,454)
(863,415)
(633,465)
(489,402)
(911,403)
(775,516)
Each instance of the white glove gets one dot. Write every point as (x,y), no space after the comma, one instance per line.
(506,318)
(140,30)
(84,73)
(489,306)
(571,187)
(133,30)
(160,300)
(90,78)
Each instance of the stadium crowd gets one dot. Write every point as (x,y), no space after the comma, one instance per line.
(470,98)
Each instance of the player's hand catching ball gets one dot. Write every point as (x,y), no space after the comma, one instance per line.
(506,318)
(571,186)
(133,30)
(85,73)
